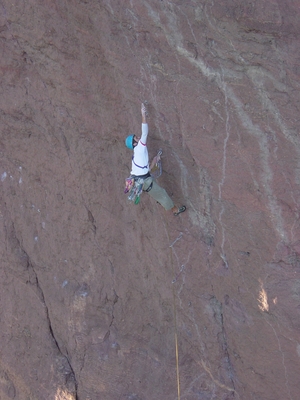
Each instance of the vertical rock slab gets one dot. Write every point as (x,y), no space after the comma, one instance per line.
(102,299)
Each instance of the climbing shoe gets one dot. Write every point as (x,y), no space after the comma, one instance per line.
(180,210)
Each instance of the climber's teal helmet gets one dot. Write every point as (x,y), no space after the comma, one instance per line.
(129,142)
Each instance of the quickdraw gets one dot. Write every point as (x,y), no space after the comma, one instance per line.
(157,170)
(135,188)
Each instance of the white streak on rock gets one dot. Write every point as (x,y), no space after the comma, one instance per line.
(175,40)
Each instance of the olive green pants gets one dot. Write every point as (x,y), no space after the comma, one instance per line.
(158,193)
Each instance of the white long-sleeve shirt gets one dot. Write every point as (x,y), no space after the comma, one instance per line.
(140,158)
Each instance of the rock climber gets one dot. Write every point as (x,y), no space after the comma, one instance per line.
(140,168)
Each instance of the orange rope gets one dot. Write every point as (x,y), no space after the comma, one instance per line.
(175,327)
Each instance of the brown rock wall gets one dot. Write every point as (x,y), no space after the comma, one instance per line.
(94,291)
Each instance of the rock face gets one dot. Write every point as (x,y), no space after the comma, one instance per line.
(101,299)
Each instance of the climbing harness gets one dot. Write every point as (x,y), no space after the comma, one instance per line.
(134,185)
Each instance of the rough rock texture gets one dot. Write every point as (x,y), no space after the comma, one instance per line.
(97,294)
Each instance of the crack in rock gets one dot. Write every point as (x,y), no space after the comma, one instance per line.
(33,281)
(72,376)
(114,301)
(91,220)
(218,315)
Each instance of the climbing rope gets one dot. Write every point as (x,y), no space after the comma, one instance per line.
(173,286)
(176,347)
(175,317)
